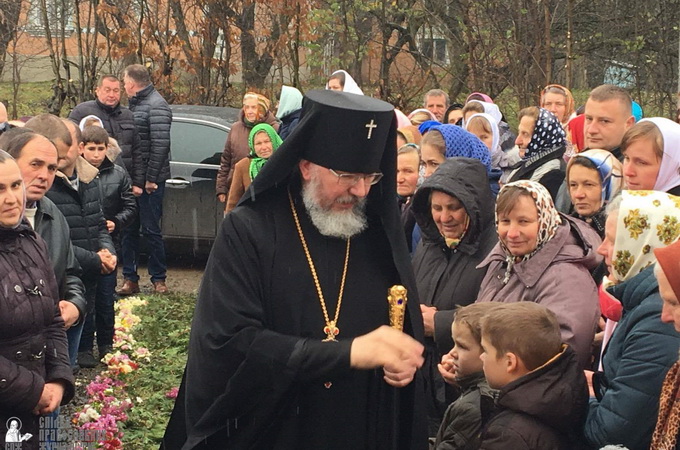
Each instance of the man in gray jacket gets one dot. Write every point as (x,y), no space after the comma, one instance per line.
(153,119)
(37,159)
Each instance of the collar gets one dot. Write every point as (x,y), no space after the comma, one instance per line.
(86,172)
(110,110)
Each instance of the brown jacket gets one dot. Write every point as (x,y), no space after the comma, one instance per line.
(236,148)
(240,182)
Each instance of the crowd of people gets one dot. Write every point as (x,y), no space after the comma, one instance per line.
(538,271)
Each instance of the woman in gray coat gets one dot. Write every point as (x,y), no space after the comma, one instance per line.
(544,257)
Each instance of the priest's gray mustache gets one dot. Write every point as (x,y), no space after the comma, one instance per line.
(348,199)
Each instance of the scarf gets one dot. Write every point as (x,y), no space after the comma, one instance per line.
(496,150)
(290,101)
(608,167)
(569,103)
(350,85)
(548,134)
(669,172)
(647,220)
(669,260)
(463,143)
(548,221)
(256,162)
(452,243)
(490,109)
(665,435)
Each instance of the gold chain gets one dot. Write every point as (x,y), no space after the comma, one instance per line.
(331,328)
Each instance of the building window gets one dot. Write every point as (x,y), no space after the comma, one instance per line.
(59,17)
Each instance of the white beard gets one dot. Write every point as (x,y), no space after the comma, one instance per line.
(340,224)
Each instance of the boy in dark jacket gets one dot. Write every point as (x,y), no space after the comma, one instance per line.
(543,398)
(119,208)
(76,193)
(462,423)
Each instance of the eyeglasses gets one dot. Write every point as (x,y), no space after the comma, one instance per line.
(350,179)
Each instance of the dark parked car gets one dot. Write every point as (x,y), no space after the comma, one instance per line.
(191,212)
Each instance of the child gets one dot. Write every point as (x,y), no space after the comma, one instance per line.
(543,398)
(462,423)
(118,206)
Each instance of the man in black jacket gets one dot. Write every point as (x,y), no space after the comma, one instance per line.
(76,193)
(119,122)
(37,159)
(153,119)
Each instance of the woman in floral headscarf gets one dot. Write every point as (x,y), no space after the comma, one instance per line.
(641,349)
(593,179)
(542,143)
(545,257)
(263,142)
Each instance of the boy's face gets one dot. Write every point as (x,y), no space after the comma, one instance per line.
(93,153)
(495,368)
(466,352)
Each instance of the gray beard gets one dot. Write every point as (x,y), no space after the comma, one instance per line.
(343,224)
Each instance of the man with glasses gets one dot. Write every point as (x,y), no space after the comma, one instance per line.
(291,345)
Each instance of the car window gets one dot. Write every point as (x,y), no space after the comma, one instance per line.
(196,142)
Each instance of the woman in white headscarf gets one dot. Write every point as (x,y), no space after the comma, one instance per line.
(288,112)
(340,80)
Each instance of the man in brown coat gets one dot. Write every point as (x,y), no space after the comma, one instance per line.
(255,110)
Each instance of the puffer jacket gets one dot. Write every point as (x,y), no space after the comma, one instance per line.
(445,277)
(115,193)
(119,122)
(558,277)
(542,410)
(33,347)
(288,123)
(236,148)
(462,424)
(83,213)
(635,362)
(51,225)
(153,119)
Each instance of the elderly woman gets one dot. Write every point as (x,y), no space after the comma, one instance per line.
(262,141)
(651,155)
(255,111)
(667,271)
(35,374)
(454,209)
(641,349)
(544,257)
(593,179)
(542,143)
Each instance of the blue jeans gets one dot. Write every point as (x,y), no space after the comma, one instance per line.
(150,211)
(102,319)
(73,335)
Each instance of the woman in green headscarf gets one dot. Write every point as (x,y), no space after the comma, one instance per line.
(262,141)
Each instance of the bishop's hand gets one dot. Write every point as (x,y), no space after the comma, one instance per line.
(399,354)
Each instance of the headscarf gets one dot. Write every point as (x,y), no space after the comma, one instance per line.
(402,119)
(427,126)
(647,220)
(256,162)
(669,259)
(350,85)
(637,111)
(424,111)
(496,150)
(576,132)
(86,119)
(608,167)
(6,158)
(569,103)
(411,134)
(484,96)
(463,143)
(548,221)
(453,107)
(669,172)
(548,134)
(490,109)
(290,101)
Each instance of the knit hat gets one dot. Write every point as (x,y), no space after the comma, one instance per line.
(669,260)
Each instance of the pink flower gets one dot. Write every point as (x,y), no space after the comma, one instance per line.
(172,393)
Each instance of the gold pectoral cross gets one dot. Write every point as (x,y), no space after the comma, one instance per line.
(331,331)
